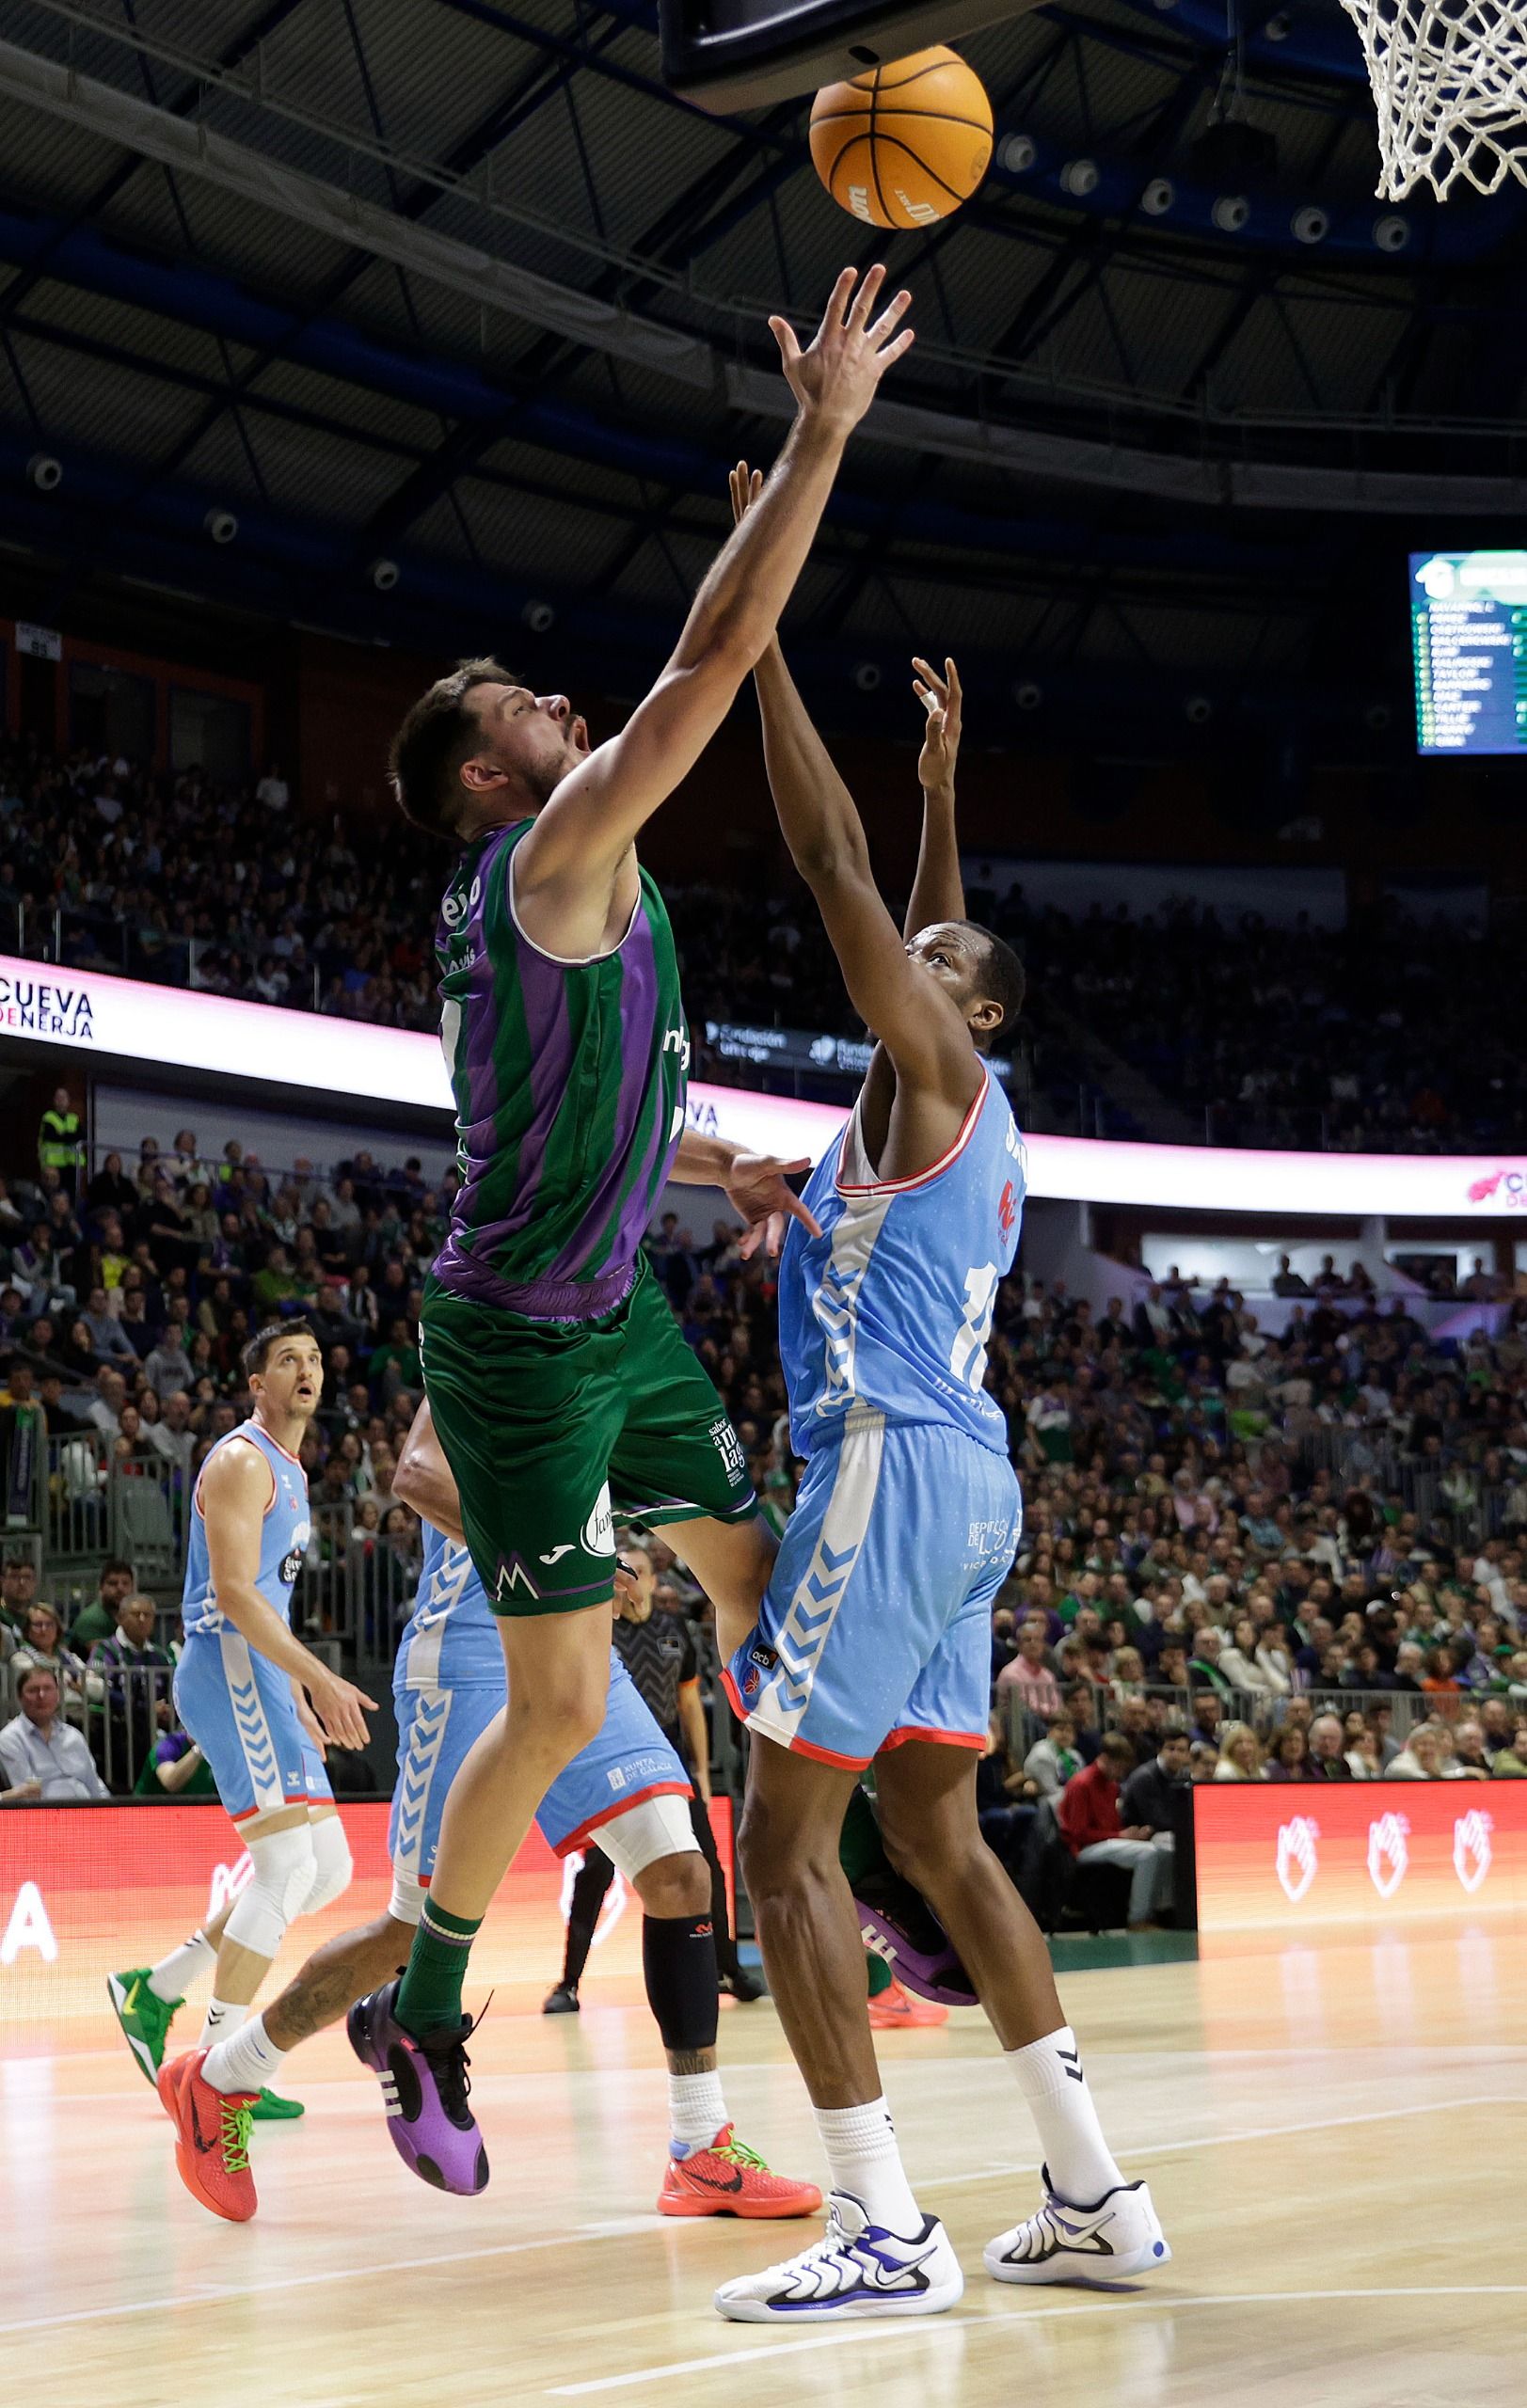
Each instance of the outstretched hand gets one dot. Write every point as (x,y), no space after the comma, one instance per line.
(835,378)
(757,1187)
(942,700)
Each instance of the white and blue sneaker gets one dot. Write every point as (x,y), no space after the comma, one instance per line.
(856,2269)
(1111,2243)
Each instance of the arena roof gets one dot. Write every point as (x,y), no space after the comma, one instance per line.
(459,286)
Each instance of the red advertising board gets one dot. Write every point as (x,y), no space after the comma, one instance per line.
(1300,1862)
(86,1891)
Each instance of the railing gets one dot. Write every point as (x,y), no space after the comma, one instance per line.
(1263,1714)
(1476,1508)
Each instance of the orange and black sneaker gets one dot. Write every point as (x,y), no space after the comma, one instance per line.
(724,2177)
(212,2146)
(896,2010)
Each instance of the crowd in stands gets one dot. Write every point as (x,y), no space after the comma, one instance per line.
(1387,1036)
(1243,1557)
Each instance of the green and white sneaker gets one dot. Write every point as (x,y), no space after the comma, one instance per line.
(145,2018)
(268,2109)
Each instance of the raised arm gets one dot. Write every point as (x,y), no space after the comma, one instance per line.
(920,1027)
(568,867)
(938,891)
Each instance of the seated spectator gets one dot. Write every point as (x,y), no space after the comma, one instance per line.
(42,1758)
(1469,1762)
(1153,1792)
(1510,1762)
(1240,1753)
(1421,1758)
(1004,1799)
(1288,1756)
(42,1642)
(1328,1750)
(175,1767)
(98,1620)
(1092,1830)
(137,1675)
(1051,1761)
(1250,1664)
(1028,1676)
(18,1592)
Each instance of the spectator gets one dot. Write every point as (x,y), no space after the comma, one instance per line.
(1090,1826)
(18,1591)
(1510,1762)
(168,1366)
(59,1141)
(138,1675)
(43,1643)
(1240,1753)
(42,1759)
(1004,1799)
(1288,1756)
(1029,1677)
(98,1620)
(1152,1796)
(1051,1761)
(1421,1758)
(1328,1750)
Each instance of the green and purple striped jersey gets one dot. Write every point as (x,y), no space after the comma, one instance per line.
(569,1082)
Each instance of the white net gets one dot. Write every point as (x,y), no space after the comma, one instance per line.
(1450,84)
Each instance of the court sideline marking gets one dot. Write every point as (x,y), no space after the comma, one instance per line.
(841,2335)
(625,2227)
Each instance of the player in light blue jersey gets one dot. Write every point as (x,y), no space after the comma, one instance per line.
(627,1786)
(239,1690)
(874,1641)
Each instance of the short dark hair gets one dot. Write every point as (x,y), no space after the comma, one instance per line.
(1003,979)
(1116,1748)
(435,738)
(258,1350)
(117,1564)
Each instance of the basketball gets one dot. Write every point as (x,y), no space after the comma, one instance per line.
(904,145)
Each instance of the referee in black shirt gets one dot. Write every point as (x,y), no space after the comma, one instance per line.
(658,1650)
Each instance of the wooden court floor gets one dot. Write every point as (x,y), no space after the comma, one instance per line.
(1335,2140)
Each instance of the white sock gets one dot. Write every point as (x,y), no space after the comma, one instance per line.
(863,2158)
(246,2061)
(697,2110)
(1050,2076)
(174,1975)
(220,2020)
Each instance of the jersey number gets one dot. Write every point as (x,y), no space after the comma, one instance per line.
(967,1356)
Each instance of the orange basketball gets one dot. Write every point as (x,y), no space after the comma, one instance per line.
(905,144)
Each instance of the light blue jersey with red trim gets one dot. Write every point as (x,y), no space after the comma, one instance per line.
(283,1537)
(891,1308)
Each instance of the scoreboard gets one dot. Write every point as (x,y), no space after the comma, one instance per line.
(1469,650)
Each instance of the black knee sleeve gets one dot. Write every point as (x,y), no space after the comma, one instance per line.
(679,1959)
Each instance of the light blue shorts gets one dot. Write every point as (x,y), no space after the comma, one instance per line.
(239,1709)
(628,1771)
(877,1625)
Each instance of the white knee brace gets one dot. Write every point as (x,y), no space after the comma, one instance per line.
(332,1865)
(283,1875)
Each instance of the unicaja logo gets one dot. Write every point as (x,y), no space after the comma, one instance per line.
(1299,1859)
(1471,1848)
(1388,1853)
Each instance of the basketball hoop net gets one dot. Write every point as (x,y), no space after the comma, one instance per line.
(1449,81)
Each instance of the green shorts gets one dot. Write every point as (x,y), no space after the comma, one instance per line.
(555,1431)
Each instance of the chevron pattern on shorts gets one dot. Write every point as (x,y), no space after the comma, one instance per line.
(804,1632)
(254,1735)
(425,1734)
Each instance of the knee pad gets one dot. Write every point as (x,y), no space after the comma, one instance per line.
(332,1864)
(283,1875)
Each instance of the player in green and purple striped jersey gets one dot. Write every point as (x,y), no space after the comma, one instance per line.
(560,1388)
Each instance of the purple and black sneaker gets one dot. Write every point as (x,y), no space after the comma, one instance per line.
(424,2089)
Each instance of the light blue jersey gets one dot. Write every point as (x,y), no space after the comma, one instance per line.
(283,1537)
(450,1639)
(890,1309)
(237,1705)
